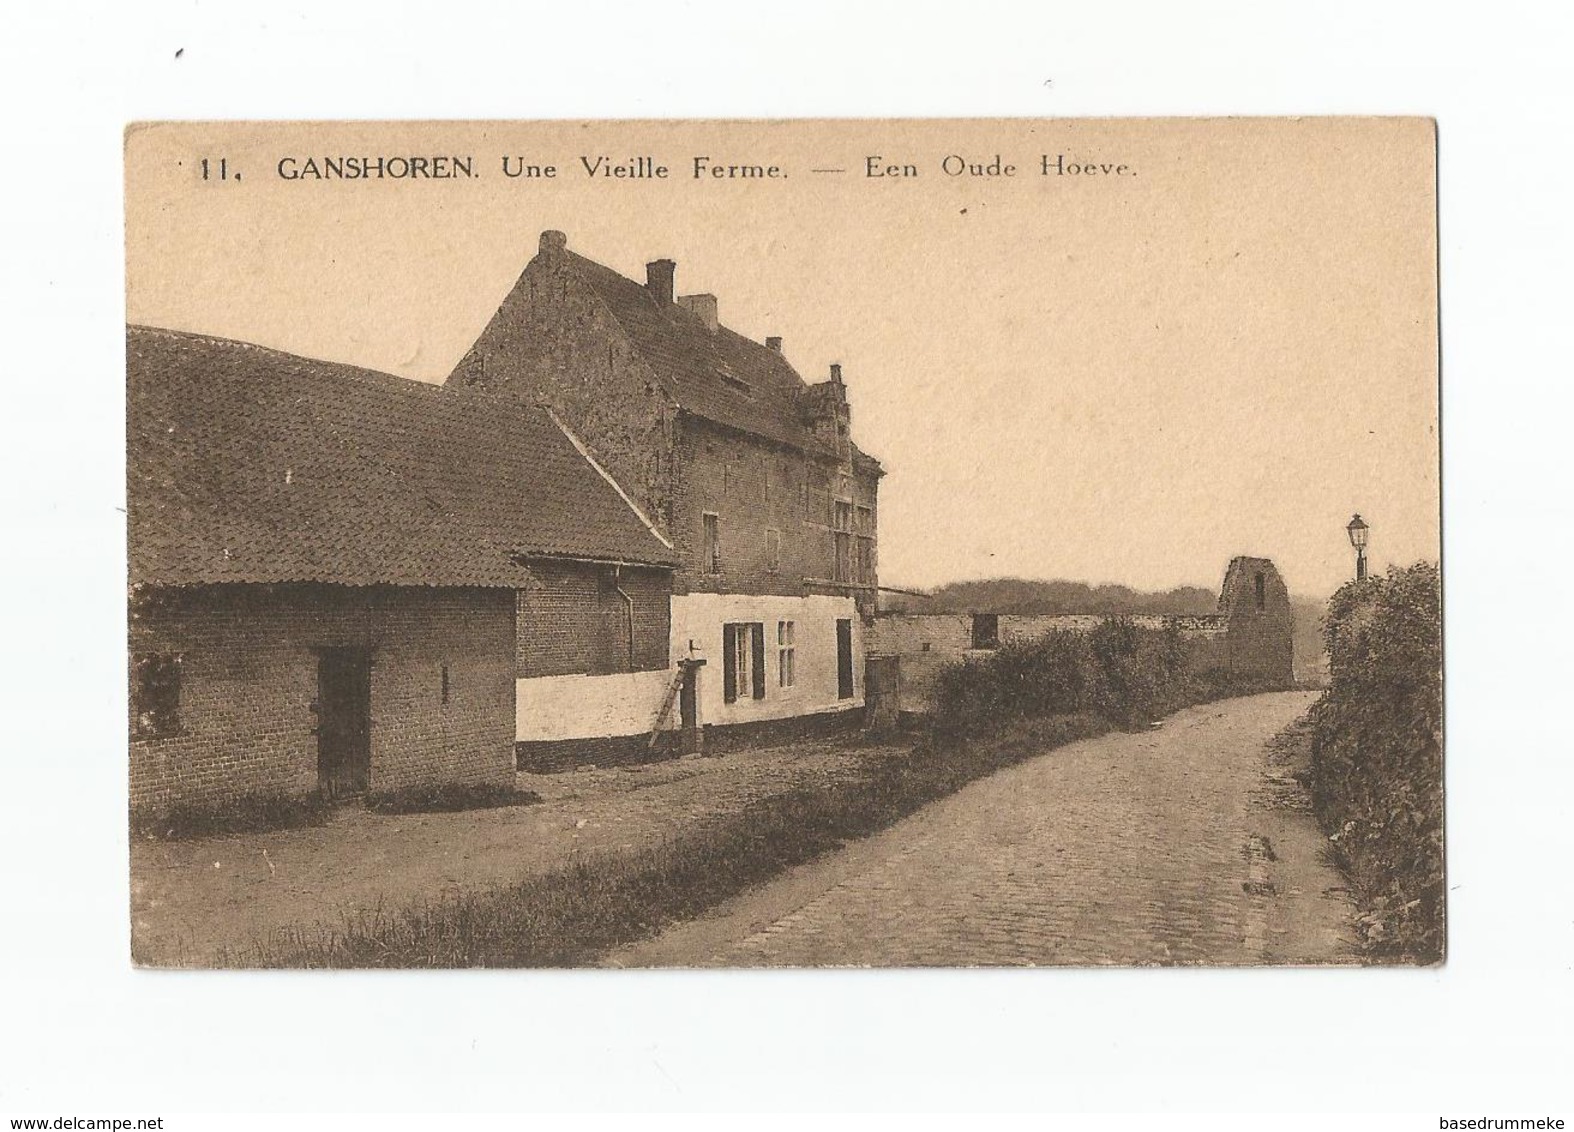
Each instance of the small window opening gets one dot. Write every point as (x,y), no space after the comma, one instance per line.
(446,685)
(155,694)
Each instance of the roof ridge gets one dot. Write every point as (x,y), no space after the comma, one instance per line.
(656,307)
(322,470)
(194,338)
(723,376)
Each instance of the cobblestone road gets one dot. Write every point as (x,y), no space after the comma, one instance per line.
(1154,848)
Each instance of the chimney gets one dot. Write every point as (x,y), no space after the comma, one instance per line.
(774,343)
(702,307)
(552,244)
(836,372)
(659,274)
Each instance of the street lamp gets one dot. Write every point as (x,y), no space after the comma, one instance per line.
(1357,531)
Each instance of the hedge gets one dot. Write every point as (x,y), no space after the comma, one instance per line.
(1377,758)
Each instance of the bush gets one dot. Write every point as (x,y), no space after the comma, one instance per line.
(1377,757)
(253,813)
(1127,675)
(449,797)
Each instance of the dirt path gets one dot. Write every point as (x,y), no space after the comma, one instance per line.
(1183,845)
(192,900)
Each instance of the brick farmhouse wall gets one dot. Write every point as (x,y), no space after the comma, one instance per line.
(249,680)
(553,339)
(572,620)
(752,486)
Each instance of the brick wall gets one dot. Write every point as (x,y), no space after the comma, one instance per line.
(753,486)
(249,679)
(553,339)
(573,621)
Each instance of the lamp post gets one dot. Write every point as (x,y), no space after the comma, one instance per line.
(1357,530)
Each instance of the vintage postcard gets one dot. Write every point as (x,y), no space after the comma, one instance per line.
(784,543)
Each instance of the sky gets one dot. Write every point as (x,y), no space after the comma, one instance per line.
(1222,341)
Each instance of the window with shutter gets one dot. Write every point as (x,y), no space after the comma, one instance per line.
(757,658)
(729,669)
(743,668)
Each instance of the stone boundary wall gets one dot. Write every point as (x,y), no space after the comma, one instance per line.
(927,642)
(1249,637)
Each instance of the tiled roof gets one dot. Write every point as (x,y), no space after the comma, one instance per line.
(719,375)
(245,464)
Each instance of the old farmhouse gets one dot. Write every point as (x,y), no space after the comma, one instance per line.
(616,515)
(749,471)
(338,577)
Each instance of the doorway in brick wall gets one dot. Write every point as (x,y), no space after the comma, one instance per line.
(344,721)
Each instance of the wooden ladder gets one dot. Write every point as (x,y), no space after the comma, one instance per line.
(666,707)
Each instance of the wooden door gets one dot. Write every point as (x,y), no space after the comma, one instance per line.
(844,659)
(344,721)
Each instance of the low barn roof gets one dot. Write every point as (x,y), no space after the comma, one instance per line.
(246,464)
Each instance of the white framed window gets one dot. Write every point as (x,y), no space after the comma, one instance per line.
(743,672)
(786,654)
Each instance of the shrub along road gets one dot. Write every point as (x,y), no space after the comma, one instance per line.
(1187,844)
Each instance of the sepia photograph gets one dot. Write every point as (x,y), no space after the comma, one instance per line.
(882,561)
(973,543)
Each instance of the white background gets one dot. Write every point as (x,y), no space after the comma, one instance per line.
(1488,1034)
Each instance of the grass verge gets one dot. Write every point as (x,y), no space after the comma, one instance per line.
(449,797)
(571,915)
(266,813)
(254,813)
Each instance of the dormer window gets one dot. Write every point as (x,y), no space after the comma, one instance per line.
(733,380)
